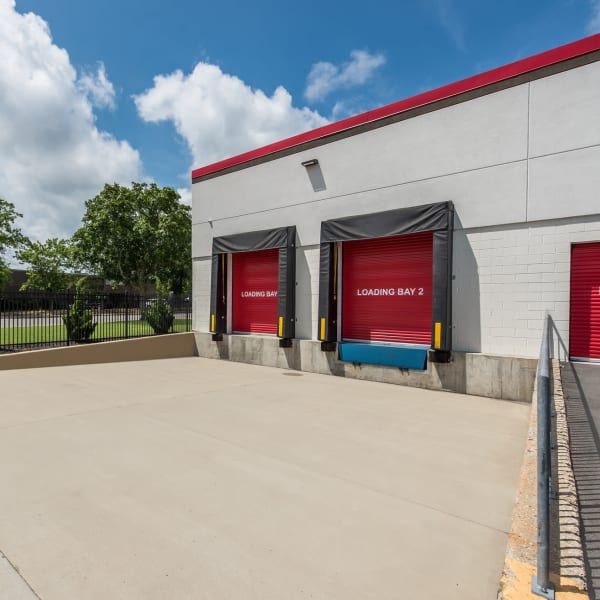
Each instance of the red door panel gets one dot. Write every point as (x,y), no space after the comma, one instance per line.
(255,282)
(584,325)
(387,289)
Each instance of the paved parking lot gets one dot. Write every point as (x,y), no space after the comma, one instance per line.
(192,478)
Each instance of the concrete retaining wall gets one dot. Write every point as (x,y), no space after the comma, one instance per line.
(148,348)
(506,377)
(510,378)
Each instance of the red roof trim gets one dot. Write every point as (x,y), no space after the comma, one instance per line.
(526,65)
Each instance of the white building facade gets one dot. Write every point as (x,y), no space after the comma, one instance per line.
(497,175)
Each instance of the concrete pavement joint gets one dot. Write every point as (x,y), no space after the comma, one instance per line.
(328,475)
(206,392)
(70,415)
(25,591)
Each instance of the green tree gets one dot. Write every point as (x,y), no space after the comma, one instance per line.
(11,237)
(50,265)
(136,235)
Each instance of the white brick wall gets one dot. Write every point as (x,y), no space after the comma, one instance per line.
(307,291)
(515,295)
(201,268)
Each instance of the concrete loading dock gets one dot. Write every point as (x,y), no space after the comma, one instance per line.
(189,478)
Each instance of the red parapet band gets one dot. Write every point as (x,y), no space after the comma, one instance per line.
(520,67)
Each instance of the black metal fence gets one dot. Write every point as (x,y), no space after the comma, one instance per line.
(30,320)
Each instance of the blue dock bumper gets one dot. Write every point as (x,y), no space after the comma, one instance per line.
(402,357)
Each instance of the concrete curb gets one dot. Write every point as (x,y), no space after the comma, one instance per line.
(172,345)
(566,559)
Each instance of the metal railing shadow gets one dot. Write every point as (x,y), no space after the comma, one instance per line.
(585,457)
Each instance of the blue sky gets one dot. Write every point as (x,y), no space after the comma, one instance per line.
(94,92)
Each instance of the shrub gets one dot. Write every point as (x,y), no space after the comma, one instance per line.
(160,316)
(79,321)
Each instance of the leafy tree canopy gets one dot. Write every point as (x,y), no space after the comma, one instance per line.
(50,265)
(135,235)
(11,237)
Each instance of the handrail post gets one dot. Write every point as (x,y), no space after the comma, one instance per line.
(541,584)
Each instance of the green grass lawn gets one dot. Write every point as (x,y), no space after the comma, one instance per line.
(36,334)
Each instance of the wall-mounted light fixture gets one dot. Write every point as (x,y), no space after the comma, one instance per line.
(310,163)
(315,175)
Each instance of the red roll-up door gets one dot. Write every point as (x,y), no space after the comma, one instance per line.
(255,283)
(387,289)
(584,327)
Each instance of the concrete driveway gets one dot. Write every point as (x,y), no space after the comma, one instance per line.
(191,478)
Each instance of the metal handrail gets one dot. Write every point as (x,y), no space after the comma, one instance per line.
(541,584)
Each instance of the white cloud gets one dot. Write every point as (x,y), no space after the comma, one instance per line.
(593,25)
(52,154)
(450,20)
(325,77)
(219,115)
(98,88)
(349,107)
(186,195)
